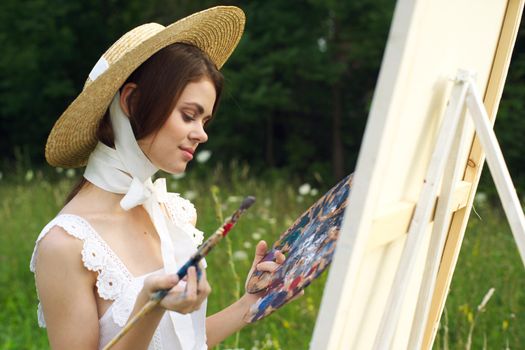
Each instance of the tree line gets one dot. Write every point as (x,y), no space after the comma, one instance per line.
(298,87)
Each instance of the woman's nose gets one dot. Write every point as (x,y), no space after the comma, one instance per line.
(198,134)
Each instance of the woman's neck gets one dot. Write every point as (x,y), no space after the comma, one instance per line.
(92,199)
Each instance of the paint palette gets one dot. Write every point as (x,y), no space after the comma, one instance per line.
(309,245)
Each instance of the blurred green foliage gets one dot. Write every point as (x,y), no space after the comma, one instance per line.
(298,88)
(301,78)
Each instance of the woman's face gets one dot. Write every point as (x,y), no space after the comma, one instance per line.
(173,146)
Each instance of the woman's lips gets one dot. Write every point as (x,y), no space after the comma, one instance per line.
(187,153)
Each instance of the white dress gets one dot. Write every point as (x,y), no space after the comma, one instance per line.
(116,283)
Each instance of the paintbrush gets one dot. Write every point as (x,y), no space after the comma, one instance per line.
(203,250)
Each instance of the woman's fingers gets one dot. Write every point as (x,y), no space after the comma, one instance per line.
(203,287)
(156,282)
(260,252)
(271,265)
(198,289)
(279,257)
(184,296)
(267,266)
(191,285)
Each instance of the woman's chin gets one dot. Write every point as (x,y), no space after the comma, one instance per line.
(175,169)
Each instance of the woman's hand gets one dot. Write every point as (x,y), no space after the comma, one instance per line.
(267,266)
(185,296)
(224,323)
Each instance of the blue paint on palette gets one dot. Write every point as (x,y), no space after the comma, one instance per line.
(309,245)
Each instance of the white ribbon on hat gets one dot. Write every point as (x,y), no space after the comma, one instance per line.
(128,171)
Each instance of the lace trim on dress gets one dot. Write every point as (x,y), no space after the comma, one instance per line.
(114,281)
(112,276)
(182,212)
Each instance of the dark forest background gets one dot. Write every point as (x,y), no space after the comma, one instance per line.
(298,90)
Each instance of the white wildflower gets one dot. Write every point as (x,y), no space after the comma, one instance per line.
(59,170)
(480,198)
(256,236)
(70,173)
(321,44)
(190,195)
(247,245)
(314,192)
(178,176)
(203,156)
(268,341)
(29,175)
(240,255)
(486,298)
(234,199)
(267,202)
(304,189)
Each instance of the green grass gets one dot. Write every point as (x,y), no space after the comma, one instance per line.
(489,258)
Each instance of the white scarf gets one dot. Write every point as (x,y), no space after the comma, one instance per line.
(128,171)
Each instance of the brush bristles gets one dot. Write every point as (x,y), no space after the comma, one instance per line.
(247,202)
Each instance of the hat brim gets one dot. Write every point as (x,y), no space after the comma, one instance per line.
(215,31)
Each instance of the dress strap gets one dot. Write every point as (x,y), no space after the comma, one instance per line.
(97,256)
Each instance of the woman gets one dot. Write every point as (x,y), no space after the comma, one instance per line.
(120,237)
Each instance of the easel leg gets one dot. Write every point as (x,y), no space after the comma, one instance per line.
(419,223)
(442,219)
(498,168)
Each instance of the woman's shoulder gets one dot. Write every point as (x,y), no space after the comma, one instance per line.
(65,237)
(59,273)
(60,241)
(58,248)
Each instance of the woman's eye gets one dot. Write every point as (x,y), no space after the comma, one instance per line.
(187,117)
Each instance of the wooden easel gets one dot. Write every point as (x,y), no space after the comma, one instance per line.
(446,169)
(428,40)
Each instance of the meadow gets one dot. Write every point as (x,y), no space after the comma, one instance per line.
(489,259)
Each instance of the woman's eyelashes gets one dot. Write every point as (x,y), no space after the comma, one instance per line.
(187,117)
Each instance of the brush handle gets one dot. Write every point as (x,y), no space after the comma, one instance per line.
(203,250)
(150,305)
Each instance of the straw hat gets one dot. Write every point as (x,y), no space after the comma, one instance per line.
(215,31)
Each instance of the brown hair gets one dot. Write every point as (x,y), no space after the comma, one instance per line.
(160,82)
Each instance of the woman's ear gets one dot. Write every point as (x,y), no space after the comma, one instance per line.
(125,96)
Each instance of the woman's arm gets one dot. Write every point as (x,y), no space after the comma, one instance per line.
(230,320)
(224,323)
(67,293)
